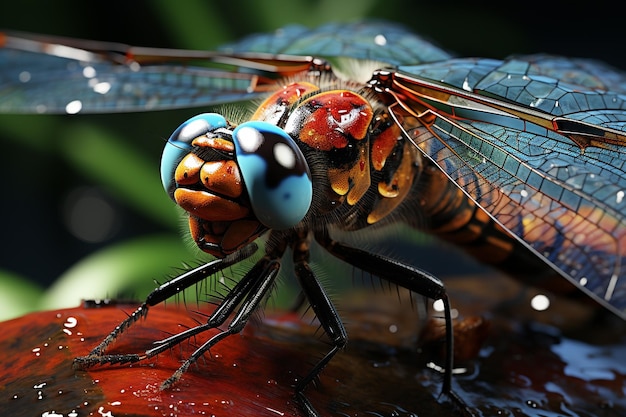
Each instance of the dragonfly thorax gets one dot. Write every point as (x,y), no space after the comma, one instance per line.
(362,166)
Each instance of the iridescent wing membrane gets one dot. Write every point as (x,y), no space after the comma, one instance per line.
(538,142)
(59,75)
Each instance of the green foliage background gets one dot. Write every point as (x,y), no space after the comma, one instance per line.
(44,158)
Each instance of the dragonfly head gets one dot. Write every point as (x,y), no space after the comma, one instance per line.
(235,183)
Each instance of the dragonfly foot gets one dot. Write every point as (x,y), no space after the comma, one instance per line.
(84,362)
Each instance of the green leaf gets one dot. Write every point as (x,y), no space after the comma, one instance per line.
(17,295)
(130,268)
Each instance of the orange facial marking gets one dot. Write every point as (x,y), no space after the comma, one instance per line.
(215,143)
(217,228)
(208,206)
(188,170)
(195,228)
(198,232)
(239,233)
(222,177)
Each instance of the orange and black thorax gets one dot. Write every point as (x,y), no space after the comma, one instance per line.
(362,166)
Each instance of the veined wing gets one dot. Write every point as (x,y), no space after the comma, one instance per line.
(372,40)
(41,74)
(538,143)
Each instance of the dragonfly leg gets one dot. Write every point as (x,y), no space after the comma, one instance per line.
(97,355)
(247,285)
(328,317)
(414,279)
(261,279)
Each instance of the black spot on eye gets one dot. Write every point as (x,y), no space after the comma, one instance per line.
(277,172)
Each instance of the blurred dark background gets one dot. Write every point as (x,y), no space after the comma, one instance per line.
(45,160)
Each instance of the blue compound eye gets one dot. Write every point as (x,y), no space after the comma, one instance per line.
(179,144)
(275,173)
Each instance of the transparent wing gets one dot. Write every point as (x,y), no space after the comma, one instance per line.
(538,143)
(378,41)
(53,75)
(41,74)
(34,83)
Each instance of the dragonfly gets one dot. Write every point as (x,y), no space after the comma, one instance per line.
(520,162)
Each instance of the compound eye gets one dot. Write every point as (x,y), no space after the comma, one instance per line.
(275,173)
(179,144)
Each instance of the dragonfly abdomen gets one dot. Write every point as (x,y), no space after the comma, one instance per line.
(451,215)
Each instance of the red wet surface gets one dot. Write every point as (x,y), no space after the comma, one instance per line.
(244,376)
(523,367)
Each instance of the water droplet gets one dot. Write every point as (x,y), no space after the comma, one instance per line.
(73,107)
(532,404)
(89,72)
(104,413)
(70,322)
(24,76)
(540,302)
(102,87)
(380,40)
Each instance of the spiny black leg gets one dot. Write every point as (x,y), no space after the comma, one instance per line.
(406,276)
(329,319)
(160,294)
(251,283)
(223,310)
(257,293)
(247,285)
(192,277)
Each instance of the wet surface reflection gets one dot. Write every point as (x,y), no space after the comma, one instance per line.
(511,361)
